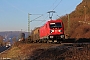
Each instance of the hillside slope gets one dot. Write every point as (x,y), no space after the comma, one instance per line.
(79,21)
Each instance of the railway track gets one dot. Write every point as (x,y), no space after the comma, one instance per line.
(70,40)
(80,44)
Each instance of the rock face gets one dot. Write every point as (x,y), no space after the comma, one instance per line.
(78,26)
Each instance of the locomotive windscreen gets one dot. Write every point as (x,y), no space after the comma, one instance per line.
(55,25)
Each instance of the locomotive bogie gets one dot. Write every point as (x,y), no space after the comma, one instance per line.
(57,37)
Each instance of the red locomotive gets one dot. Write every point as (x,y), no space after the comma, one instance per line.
(51,31)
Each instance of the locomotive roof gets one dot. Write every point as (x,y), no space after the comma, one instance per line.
(55,20)
(59,20)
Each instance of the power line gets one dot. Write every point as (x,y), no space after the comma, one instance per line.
(49,13)
(50,7)
(69,7)
(53,8)
(37,18)
(15,7)
(57,5)
(32,20)
(53,3)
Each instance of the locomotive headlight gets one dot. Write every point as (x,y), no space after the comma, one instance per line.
(51,31)
(59,30)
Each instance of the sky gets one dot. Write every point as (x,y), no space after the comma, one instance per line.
(14,13)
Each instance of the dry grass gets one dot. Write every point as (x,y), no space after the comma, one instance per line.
(78,54)
(23,50)
(59,53)
(39,51)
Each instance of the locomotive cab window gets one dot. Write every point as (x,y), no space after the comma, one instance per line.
(55,25)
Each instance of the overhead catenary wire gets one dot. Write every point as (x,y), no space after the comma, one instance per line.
(45,13)
(53,3)
(15,7)
(53,8)
(57,5)
(52,11)
(65,11)
(37,18)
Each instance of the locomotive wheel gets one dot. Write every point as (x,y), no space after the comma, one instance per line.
(35,41)
(40,41)
(49,41)
(45,41)
(59,41)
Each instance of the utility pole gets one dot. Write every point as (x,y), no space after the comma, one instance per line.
(28,24)
(68,25)
(51,14)
(31,21)
(21,30)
